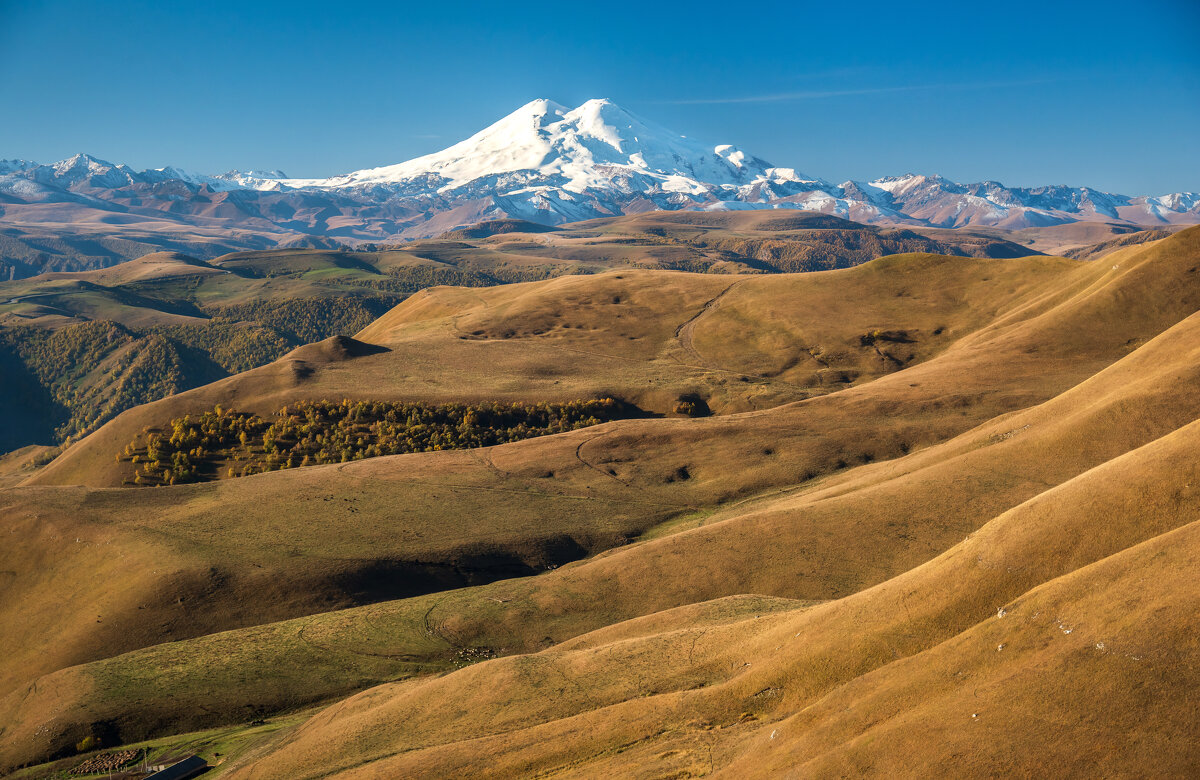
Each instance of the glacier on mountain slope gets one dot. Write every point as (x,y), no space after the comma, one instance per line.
(549,163)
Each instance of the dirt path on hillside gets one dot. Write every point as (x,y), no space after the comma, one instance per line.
(684,333)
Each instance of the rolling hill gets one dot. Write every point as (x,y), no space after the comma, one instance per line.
(943,504)
(166,322)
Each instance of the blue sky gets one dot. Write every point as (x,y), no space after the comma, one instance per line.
(1099,93)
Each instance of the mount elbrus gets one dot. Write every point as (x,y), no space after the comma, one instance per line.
(544,163)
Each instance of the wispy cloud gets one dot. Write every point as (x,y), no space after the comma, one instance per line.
(781,97)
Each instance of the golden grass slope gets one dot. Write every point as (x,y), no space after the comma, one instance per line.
(1058,638)
(18,465)
(579,465)
(769,506)
(647,337)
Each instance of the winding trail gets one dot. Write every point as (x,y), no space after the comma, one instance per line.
(579,457)
(485,460)
(684,333)
(30,297)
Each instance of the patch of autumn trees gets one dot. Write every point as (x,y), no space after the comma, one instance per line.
(95,370)
(222,443)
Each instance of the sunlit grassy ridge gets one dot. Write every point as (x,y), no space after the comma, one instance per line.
(191,322)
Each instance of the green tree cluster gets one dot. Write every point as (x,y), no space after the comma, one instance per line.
(305,320)
(222,443)
(407,280)
(95,370)
(234,346)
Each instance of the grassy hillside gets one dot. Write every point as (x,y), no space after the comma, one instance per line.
(905,679)
(824,541)
(982,391)
(651,339)
(762,502)
(243,310)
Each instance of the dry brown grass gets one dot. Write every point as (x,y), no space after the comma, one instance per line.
(1091,663)
(647,337)
(1052,428)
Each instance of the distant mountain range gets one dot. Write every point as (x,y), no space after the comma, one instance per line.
(544,163)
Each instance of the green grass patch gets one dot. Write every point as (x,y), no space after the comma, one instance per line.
(218,746)
(684,522)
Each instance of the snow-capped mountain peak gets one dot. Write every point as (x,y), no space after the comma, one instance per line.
(16,166)
(548,163)
(84,168)
(519,141)
(223,182)
(82,161)
(597,145)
